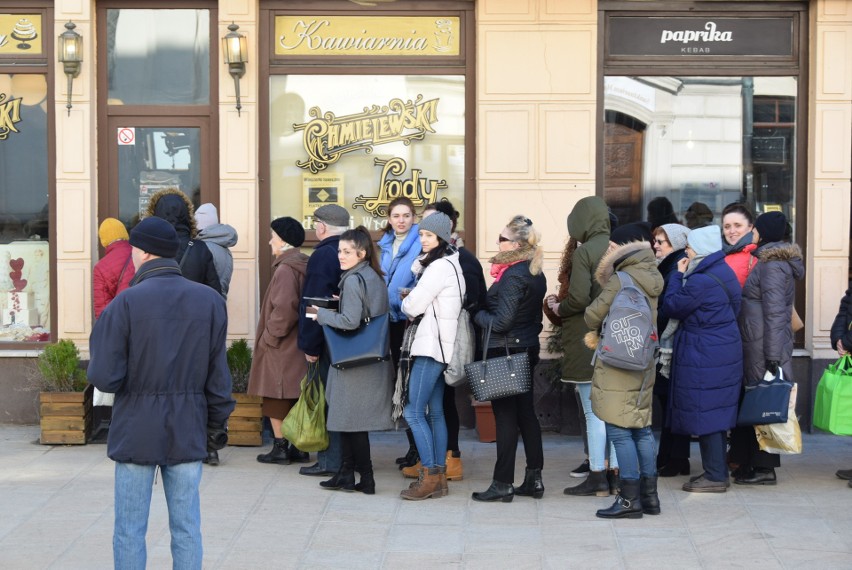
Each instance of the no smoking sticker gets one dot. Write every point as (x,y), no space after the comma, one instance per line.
(126,136)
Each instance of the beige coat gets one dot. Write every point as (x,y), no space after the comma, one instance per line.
(278,365)
(623,397)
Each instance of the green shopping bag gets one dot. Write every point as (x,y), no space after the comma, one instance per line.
(304,426)
(833,408)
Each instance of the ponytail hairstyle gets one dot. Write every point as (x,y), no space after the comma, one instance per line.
(527,237)
(363,241)
(399,201)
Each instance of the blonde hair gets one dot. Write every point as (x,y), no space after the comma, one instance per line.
(526,236)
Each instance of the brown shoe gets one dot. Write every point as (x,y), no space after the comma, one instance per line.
(427,485)
(412,472)
(455,471)
(442,473)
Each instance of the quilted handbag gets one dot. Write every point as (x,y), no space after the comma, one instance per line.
(500,377)
(766,402)
(365,345)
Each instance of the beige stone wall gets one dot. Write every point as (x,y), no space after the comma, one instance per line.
(829,168)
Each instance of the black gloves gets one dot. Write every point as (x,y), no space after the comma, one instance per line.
(217,436)
(772,367)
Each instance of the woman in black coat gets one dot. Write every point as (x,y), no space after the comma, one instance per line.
(767,333)
(841,341)
(513,310)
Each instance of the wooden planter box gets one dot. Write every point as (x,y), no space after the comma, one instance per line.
(246,421)
(486,426)
(66,417)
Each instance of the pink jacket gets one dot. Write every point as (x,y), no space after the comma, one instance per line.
(742,262)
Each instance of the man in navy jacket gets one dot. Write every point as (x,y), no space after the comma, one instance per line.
(322,278)
(160,347)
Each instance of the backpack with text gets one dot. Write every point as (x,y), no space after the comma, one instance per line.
(629,334)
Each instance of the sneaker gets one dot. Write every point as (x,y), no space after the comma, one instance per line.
(581,471)
(704,485)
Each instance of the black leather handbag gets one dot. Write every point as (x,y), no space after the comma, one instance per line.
(499,377)
(365,345)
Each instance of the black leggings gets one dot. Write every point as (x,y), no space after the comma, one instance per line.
(356,450)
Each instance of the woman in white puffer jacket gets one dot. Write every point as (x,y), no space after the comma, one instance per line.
(436,299)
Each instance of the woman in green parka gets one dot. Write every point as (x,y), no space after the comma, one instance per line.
(623,398)
(588,223)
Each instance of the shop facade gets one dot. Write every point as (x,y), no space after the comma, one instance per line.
(500,106)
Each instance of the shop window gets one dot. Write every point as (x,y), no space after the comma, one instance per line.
(360,141)
(24,219)
(158,57)
(714,140)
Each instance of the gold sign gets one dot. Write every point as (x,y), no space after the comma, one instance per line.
(20,34)
(321,189)
(328,137)
(420,191)
(422,36)
(10,113)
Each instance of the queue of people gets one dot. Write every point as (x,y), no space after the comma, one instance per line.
(720,299)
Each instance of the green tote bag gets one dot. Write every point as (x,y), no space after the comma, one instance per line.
(304,425)
(833,407)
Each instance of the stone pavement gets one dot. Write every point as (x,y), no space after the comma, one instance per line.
(56,512)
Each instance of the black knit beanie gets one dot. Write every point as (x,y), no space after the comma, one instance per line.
(155,236)
(771,226)
(289,230)
(636,231)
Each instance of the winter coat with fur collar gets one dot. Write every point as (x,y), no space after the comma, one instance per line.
(764,319)
(623,397)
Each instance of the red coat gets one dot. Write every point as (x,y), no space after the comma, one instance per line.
(277,365)
(108,280)
(742,262)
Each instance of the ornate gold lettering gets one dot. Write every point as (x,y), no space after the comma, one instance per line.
(10,113)
(420,191)
(327,137)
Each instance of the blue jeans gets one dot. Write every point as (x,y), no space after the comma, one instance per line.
(595,433)
(426,388)
(636,450)
(133,486)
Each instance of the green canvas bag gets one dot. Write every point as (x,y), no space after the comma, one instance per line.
(833,407)
(304,426)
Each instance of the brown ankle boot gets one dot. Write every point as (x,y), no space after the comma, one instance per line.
(412,472)
(442,473)
(427,485)
(455,471)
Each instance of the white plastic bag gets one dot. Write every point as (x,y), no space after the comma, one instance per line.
(102,398)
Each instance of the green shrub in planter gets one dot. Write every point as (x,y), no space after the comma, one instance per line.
(239,363)
(59,367)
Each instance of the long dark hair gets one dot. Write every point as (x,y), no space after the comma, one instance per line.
(399,201)
(363,241)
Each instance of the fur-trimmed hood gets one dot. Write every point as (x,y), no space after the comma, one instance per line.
(781,251)
(535,255)
(619,255)
(175,207)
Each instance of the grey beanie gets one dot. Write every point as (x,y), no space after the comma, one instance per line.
(676,235)
(439,224)
(706,240)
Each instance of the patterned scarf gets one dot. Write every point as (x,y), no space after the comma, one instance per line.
(403,373)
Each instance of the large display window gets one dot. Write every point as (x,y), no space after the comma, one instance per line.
(380,137)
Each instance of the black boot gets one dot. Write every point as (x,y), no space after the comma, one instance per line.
(627,503)
(343,480)
(496,492)
(278,454)
(212,458)
(613,481)
(295,455)
(410,459)
(648,495)
(595,484)
(367,484)
(675,466)
(532,485)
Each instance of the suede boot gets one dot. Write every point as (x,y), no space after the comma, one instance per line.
(648,495)
(627,503)
(295,455)
(343,480)
(278,454)
(367,484)
(442,472)
(532,485)
(595,484)
(455,471)
(411,471)
(428,485)
(496,492)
